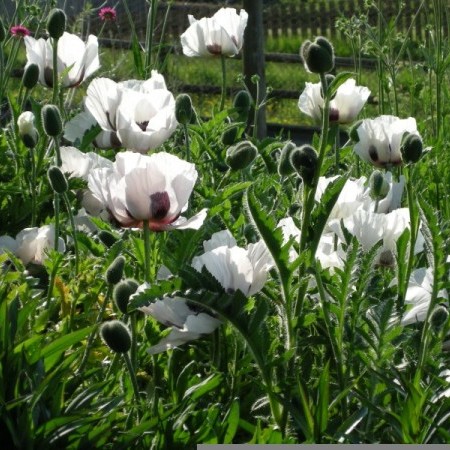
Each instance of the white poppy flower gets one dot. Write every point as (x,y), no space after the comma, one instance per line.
(79,164)
(32,244)
(380,139)
(344,107)
(222,34)
(152,188)
(237,268)
(187,323)
(78,60)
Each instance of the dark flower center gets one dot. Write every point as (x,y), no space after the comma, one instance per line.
(214,49)
(159,205)
(142,125)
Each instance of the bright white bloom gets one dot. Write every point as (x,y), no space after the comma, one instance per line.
(344,107)
(152,188)
(141,114)
(78,60)
(25,124)
(31,244)
(79,164)
(380,139)
(187,323)
(222,34)
(235,267)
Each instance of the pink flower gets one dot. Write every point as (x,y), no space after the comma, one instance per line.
(107,14)
(19,31)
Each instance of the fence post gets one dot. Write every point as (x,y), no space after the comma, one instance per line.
(253,56)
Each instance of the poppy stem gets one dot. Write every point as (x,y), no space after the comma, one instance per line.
(55,71)
(147,251)
(224,82)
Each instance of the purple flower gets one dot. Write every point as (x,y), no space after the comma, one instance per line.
(19,31)
(107,14)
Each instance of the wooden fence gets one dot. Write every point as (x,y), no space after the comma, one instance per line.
(303,19)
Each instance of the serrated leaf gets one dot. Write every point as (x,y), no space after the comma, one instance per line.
(156,291)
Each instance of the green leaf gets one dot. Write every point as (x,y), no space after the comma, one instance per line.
(232,421)
(340,79)
(155,291)
(323,397)
(202,388)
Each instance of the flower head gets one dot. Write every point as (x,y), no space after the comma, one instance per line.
(222,34)
(19,31)
(380,139)
(107,14)
(155,189)
(76,59)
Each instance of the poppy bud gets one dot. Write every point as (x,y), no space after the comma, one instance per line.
(56,23)
(2,31)
(439,318)
(183,109)
(353,131)
(304,160)
(30,76)
(379,187)
(242,104)
(116,336)
(27,131)
(411,148)
(51,120)
(229,136)
(115,270)
(57,180)
(107,238)
(241,155)
(122,293)
(318,56)
(284,163)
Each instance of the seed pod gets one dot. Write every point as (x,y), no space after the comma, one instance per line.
(115,270)
(56,23)
(116,336)
(57,180)
(240,156)
(51,120)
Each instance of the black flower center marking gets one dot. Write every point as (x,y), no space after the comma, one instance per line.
(48,76)
(214,49)
(142,125)
(334,115)
(159,205)
(373,153)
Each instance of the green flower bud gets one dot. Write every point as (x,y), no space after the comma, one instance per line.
(107,238)
(116,336)
(27,130)
(2,31)
(122,293)
(379,187)
(30,76)
(318,56)
(411,148)
(51,120)
(184,109)
(353,131)
(115,270)
(56,23)
(229,136)
(284,163)
(439,318)
(241,155)
(242,104)
(57,180)
(304,160)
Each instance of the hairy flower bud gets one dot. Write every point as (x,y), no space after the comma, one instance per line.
(379,187)
(115,270)
(116,336)
(56,23)
(318,56)
(242,104)
(107,238)
(30,76)
(51,120)
(183,109)
(57,180)
(439,318)
(304,160)
(229,136)
(122,293)
(241,155)
(27,130)
(411,148)
(285,167)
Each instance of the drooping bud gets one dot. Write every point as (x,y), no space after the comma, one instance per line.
(439,318)
(51,120)
(318,56)
(27,130)
(242,104)
(30,76)
(241,155)
(115,270)
(284,163)
(56,23)
(411,148)
(116,336)
(184,109)
(379,187)
(304,160)
(122,293)
(353,131)
(229,136)
(57,180)
(107,238)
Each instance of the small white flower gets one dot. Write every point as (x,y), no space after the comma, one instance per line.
(79,164)
(78,60)
(380,139)
(222,34)
(344,107)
